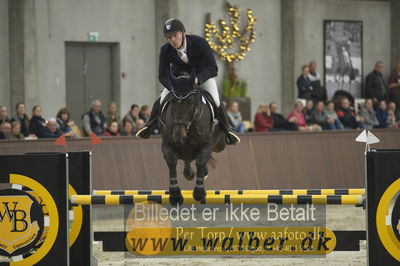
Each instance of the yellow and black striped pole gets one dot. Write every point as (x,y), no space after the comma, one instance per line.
(219,199)
(348,191)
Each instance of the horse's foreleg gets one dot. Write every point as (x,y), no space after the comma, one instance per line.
(199,192)
(175,195)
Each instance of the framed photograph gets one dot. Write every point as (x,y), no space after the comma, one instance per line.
(343,57)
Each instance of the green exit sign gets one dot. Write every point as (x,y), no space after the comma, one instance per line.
(93,36)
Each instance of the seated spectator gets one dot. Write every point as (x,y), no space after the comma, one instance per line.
(263,121)
(94,121)
(5,130)
(280,122)
(319,92)
(321,118)
(112,130)
(382,115)
(112,114)
(308,112)
(144,113)
(138,125)
(63,122)
(392,123)
(300,119)
(392,107)
(304,86)
(348,117)
(236,117)
(368,113)
(4,114)
(127,129)
(331,114)
(50,130)
(375,86)
(16,131)
(132,115)
(37,122)
(22,118)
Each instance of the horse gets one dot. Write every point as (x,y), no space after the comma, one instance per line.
(189,134)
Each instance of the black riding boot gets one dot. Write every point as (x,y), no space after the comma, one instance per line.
(144,132)
(231,137)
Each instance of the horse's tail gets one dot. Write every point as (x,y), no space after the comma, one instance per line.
(212,162)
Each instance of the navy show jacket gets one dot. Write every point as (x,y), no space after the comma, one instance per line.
(200,56)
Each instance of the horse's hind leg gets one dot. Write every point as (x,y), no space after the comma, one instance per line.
(199,192)
(175,195)
(188,171)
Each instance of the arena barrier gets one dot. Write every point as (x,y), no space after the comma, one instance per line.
(219,199)
(51,177)
(350,191)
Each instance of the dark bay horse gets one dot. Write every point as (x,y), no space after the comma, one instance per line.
(188,134)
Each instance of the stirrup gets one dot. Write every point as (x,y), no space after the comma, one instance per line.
(233,138)
(143,132)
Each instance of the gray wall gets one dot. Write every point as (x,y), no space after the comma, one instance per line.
(4,59)
(309,17)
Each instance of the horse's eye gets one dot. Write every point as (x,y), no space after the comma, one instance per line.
(189,102)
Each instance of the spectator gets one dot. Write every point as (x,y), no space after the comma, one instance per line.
(319,92)
(304,86)
(16,131)
(63,122)
(374,85)
(322,119)
(22,118)
(138,125)
(370,120)
(5,130)
(50,130)
(308,112)
(348,117)
(236,117)
(280,122)
(112,130)
(94,121)
(382,115)
(298,116)
(331,114)
(394,85)
(145,112)
(392,109)
(132,115)
(263,121)
(37,122)
(112,114)
(392,123)
(127,129)
(4,114)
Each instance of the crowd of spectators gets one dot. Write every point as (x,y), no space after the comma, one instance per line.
(312,112)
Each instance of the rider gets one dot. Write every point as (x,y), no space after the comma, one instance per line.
(182,53)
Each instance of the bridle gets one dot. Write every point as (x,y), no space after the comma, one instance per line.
(196,108)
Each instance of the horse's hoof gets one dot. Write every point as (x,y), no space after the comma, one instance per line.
(199,194)
(189,174)
(175,196)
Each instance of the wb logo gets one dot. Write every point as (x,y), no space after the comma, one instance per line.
(21,222)
(17,217)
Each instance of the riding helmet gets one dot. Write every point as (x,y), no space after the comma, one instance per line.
(173,25)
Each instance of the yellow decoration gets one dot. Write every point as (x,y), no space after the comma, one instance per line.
(227,36)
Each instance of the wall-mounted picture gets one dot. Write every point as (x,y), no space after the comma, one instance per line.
(343,57)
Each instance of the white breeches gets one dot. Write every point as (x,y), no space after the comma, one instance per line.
(210,86)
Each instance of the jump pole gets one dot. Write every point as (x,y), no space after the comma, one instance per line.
(351,191)
(220,199)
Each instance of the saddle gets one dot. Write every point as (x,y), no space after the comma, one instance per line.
(206,99)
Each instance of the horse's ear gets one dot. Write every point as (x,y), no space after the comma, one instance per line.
(171,77)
